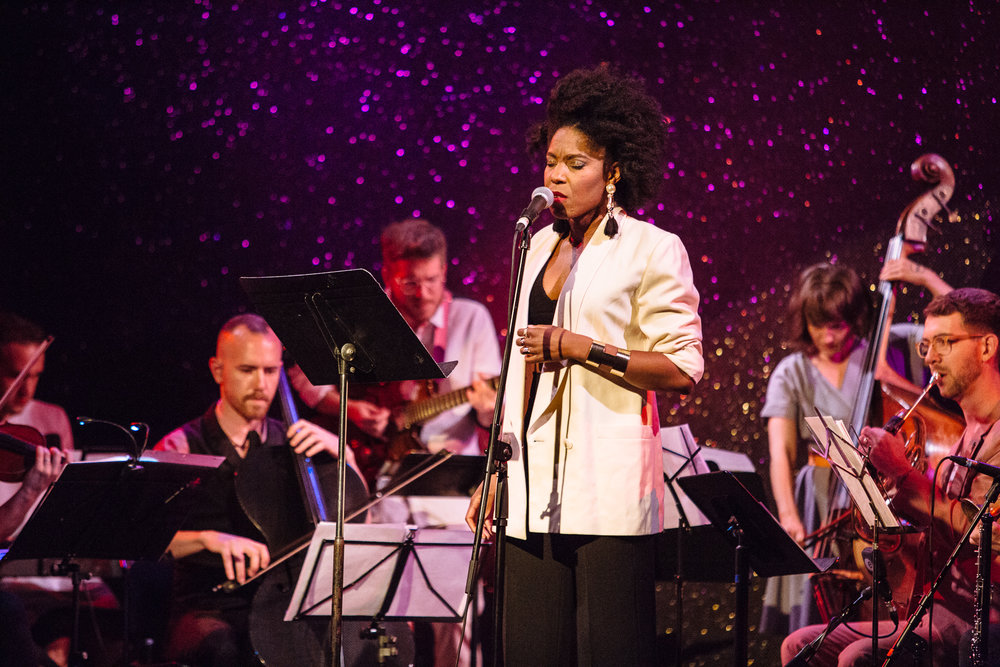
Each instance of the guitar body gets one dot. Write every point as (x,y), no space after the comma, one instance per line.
(412,404)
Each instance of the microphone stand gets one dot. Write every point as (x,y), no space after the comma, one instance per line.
(497,455)
(809,650)
(925,601)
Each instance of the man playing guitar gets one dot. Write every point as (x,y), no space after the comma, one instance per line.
(391,419)
(414,269)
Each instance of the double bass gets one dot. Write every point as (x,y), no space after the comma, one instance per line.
(928,430)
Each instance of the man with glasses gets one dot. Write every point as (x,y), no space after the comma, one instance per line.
(414,270)
(960,343)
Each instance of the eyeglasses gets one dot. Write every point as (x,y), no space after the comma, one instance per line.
(942,344)
(410,286)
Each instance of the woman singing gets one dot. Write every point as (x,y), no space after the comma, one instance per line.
(610,317)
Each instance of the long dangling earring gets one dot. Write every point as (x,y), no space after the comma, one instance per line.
(611,226)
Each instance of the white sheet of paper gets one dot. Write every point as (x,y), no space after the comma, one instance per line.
(849,465)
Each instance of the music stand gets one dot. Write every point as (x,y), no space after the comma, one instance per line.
(392,572)
(856,473)
(340,325)
(760,541)
(114,509)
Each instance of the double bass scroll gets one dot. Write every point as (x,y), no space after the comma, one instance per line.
(929,428)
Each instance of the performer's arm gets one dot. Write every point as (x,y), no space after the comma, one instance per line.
(325,399)
(48,463)
(472,515)
(641,369)
(782,440)
(241,556)
(911,491)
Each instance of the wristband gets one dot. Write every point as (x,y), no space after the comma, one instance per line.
(617,363)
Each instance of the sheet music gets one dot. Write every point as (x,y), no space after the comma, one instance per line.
(837,447)
(370,555)
(683,456)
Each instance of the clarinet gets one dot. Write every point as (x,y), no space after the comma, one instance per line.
(978,649)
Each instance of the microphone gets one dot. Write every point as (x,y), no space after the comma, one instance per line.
(869,556)
(981,468)
(541,199)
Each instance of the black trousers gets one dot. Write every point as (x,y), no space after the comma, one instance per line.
(579,600)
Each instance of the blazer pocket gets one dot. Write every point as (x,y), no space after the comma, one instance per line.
(626,431)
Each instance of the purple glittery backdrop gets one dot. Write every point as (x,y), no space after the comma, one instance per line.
(154,152)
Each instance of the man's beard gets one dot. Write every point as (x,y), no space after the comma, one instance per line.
(253,410)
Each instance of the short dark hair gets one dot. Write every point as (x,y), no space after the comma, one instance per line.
(414,238)
(17,329)
(979,308)
(615,113)
(827,293)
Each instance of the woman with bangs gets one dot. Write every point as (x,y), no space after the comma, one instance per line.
(829,317)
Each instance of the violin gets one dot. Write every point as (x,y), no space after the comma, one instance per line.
(18,446)
(18,442)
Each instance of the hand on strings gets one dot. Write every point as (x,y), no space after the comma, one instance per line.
(472,515)
(793,526)
(370,418)
(539,344)
(241,556)
(310,439)
(482,397)
(49,462)
(886,451)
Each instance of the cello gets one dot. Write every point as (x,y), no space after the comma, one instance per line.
(929,430)
(278,489)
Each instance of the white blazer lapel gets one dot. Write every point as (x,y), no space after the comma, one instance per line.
(568,308)
(582,275)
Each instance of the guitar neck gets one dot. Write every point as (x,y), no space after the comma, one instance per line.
(418,412)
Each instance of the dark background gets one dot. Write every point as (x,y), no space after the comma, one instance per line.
(153,152)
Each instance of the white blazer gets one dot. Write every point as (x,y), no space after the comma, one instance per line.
(594,462)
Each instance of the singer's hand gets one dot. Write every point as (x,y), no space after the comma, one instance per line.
(886,451)
(539,344)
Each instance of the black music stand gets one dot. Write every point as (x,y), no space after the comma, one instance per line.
(340,325)
(117,508)
(759,541)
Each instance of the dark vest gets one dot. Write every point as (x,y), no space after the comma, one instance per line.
(215,504)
